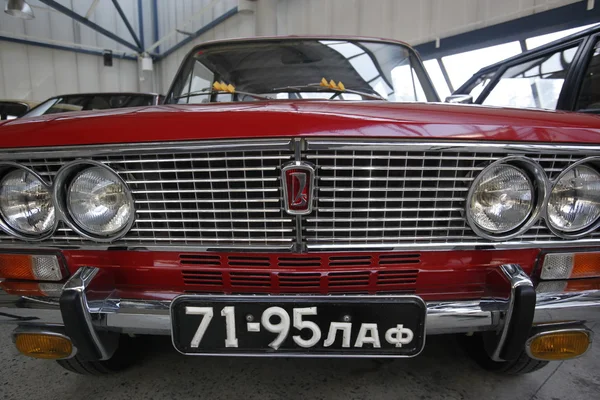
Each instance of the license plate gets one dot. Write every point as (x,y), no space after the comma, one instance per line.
(378,326)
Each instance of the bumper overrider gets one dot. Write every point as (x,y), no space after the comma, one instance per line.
(92,320)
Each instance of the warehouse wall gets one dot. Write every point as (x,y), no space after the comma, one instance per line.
(36,73)
(409,20)
(53,25)
(187,16)
(412,21)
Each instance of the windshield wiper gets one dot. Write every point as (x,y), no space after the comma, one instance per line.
(220,88)
(323,86)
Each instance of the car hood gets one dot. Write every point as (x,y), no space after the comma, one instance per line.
(268,119)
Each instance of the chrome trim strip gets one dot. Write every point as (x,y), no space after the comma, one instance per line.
(449,146)
(143,148)
(152,316)
(567,306)
(467,246)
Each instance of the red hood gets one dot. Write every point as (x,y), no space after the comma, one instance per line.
(300,118)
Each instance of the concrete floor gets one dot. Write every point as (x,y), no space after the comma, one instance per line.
(441,372)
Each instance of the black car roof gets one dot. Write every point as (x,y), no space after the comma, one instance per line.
(540,49)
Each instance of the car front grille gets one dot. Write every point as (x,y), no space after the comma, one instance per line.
(381,198)
(227,195)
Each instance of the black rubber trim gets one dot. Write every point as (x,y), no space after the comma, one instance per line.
(520,323)
(76,326)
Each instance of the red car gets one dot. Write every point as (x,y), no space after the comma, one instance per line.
(301,197)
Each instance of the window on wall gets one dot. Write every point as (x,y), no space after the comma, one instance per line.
(462,66)
(533,84)
(589,96)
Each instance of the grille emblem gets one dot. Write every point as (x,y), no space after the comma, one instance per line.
(298,180)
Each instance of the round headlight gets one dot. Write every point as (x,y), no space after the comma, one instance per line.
(99,202)
(501,199)
(574,202)
(26,203)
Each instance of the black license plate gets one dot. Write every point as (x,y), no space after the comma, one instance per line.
(287,325)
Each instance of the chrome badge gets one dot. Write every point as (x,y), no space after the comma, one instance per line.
(298,180)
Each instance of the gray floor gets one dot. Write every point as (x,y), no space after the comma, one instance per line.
(441,372)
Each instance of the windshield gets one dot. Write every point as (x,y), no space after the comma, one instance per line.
(83,102)
(297,68)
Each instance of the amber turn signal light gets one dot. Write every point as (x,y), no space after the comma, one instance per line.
(44,345)
(559,345)
(33,267)
(571,265)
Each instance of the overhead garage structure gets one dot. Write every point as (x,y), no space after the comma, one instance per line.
(62,49)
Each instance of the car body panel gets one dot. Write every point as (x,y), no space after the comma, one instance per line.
(115,287)
(301,118)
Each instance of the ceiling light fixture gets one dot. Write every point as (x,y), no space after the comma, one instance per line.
(19,9)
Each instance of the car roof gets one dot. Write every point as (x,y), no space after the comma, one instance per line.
(30,103)
(540,49)
(105,94)
(302,37)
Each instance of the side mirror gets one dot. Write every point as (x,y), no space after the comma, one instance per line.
(459,99)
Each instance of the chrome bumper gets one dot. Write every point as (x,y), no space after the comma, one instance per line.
(92,323)
(153,318)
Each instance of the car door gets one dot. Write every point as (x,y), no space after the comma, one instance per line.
(588,97)
(536,81)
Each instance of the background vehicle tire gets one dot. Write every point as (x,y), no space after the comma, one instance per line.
(126,355)
(474,347)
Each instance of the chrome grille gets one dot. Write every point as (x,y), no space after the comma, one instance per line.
(227,194)
(396,195)
(219,197)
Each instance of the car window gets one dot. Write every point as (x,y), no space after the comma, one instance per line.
(589,96)
(200,79)
(12,110)
(533,84)
(297,67)
(86,102)
(481,83)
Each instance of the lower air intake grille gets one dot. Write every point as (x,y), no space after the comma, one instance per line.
(389,273)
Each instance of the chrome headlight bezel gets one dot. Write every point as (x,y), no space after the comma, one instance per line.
(540,185)
(62,183)
(7,167)
(590,162)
